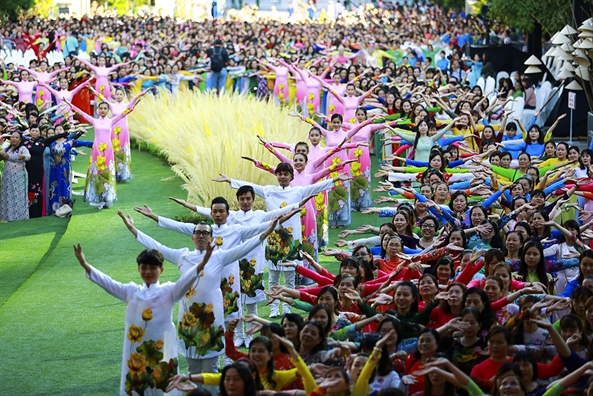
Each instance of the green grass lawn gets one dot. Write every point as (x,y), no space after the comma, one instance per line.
(60,333)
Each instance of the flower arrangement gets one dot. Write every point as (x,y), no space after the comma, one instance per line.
(146,370)
(250,280)
(282,246)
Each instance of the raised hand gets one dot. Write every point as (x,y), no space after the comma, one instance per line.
(330,252)
(232,325)
(180,382)
(222,179)
(128,222)
(248,158)
(340,243)
(146,211)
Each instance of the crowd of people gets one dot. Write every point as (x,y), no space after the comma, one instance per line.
(481,281)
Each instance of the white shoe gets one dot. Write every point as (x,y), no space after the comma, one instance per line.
(274,312)
(286,309)
(238,340)
(248,340)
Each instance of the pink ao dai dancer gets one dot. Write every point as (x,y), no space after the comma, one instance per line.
(350,102)
(43,97)
(100,188)
(120,135)
(24,87)
(102,75)
(281,82)
(301,86)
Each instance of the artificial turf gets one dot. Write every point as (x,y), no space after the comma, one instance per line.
(59,333)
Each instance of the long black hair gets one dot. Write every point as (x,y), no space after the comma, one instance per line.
(487,316)
(541,265)
(250,386)
(414,289)
(265,341)
(317,308)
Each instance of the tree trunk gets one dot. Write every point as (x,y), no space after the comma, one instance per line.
(534,41)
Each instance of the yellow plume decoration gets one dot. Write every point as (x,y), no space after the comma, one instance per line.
(202,135)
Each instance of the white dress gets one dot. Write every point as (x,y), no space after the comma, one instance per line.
(251,275)
(225,237)
(201,314)
(149,357)
(277,197)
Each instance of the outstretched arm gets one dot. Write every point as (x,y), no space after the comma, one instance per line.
(80,87)
(84,115)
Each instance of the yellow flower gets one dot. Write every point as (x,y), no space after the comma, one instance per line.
(281,86)
(352,120)
(147,314)
(205,338)
(358,153)
(156,374)
(336,160)
(283,205)
(289,229)
(41,93)
(320,198)
(135,334)
(137,364)
(103,147)
(188,320)
(286,250)
(247,284)
(101,162)
(190,292)
(332,107)
(159,344)
(231,279)
(225,303)
(117,130)
(102,88)
(303,212)
(209,308)
(252,262)
(115,143)
(311,96)
(218,241)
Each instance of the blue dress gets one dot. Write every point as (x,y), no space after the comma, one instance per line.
(60,174)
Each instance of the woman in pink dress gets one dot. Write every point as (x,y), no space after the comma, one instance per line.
(25,86)
(102,75)
(100,181)
(301,85)
(281,82)
(120,135)
(43,98)
(361,167)
(350,102)
(64,94)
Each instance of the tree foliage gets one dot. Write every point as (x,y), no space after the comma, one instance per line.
(11,9)
(43,7)
(524,14)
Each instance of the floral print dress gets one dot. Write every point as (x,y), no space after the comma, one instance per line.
(13,194)
(149,357)
(226,237)
(60,172)
(201,312)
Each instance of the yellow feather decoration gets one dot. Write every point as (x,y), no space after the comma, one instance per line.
(202,135)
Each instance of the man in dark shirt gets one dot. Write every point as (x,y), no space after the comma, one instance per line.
(219,58)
